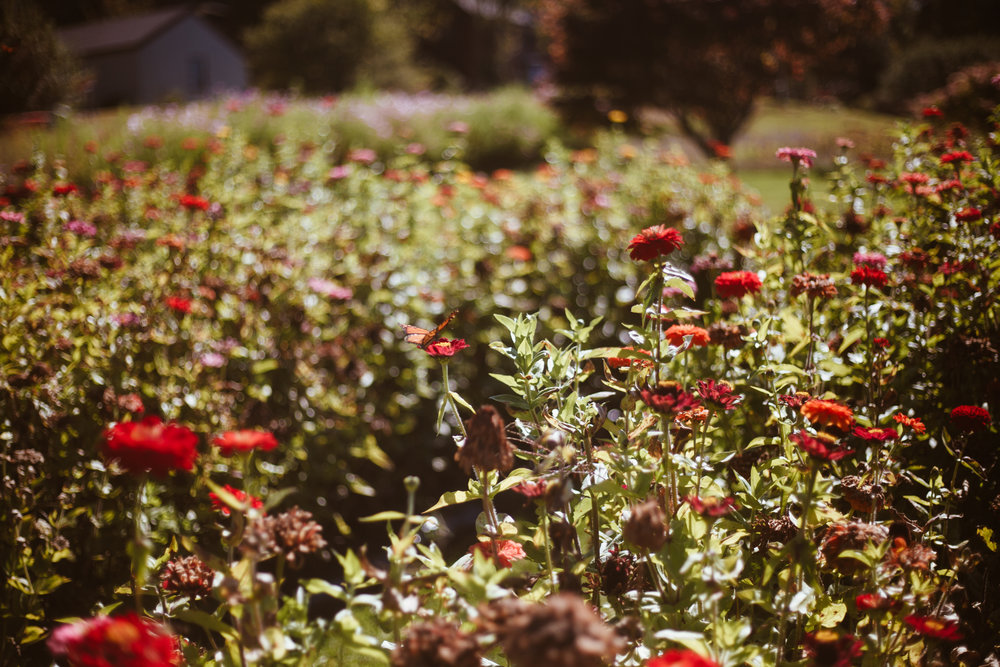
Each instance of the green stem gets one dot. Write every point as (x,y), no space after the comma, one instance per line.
(799,541)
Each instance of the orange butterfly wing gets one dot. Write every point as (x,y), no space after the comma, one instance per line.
(423,337)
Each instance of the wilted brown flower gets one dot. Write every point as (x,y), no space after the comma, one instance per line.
(853,536)
(729,336)
(291,534)
(436,643)
(563,631)
(296,533)
(187,576)
(646,525)
(910,556)
(486,446)
(861,497)
(815,287)
(620,573)
(777,529)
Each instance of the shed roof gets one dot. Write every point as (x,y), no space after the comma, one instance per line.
(120,34)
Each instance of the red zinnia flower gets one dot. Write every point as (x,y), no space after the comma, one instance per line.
(680,658)
(737,284)
(818,449)
(178,303)
(912,178)
(64,189)
(506,551)
(970,418)
(957,156)
(969,214)
(151,446)
(628,362)
(192,202)
(443,347)
(870,276)
(875,602)
(831,649)
(244,441)
(253,501)
(913,423)
(937,628)
(122,641)
(796,155)
(829,413)
(668,398)
(711,508)
(531,489)
(718,394)
(653,242)
(875,434)
(676,334)
(932,112)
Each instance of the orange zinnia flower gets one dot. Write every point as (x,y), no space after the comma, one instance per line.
(829,413)
(676,334)
(911,422)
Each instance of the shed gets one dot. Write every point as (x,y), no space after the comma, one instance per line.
(172,54)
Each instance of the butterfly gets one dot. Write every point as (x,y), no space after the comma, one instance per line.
(423,337)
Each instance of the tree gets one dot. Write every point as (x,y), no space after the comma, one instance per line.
(319,46)
(36,71)
(707,61)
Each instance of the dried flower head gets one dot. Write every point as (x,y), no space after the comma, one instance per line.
(646,526)
(736,284)
(437,643)
(815,287)
(849,536)
(563,631)
(296,534)
(187,576)
(486,446)
(729,336)
(654,242)
(910,557)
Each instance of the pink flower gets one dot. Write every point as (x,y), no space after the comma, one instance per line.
(805,156)
(329,288)
(875,260)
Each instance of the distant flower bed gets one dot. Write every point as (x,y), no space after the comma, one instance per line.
(692,437)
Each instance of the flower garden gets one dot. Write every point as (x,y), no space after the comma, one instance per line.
(269,401)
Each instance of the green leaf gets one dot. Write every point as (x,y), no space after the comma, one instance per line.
(450,498)
(323,587)
(831,615)
(987,535)
(851,338)
(264,366)
(508,323)
(206,621)
(515,477)
(461,401)
(32,634)
(681,285)
(388,515)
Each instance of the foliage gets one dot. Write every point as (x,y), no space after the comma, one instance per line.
(969,95)
(36,71)
(925,66)
(315,46)
(697,59)
(770,443)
